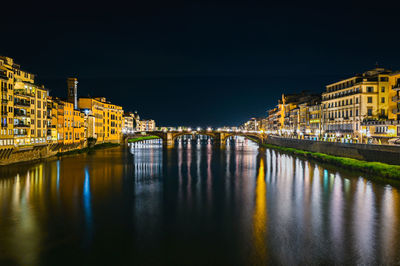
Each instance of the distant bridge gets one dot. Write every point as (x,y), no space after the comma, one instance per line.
(219,137)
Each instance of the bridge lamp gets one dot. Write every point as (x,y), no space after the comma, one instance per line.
(189,129)
(209,129)
(199,128)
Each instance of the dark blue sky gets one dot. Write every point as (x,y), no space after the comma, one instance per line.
(206,63)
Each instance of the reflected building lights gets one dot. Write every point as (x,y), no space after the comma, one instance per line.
(260,217)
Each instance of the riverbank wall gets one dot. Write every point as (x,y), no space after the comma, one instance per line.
(389,154)
(13,155)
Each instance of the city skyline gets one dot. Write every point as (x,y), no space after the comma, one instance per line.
(195,56)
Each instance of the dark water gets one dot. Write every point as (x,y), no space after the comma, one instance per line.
(194,205)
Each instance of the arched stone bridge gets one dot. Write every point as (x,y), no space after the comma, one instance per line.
(219,137)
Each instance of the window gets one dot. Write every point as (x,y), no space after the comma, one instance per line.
(382,112)
(356,112)
(351,113)
(369,111)
(369,99)
(357,100)
(383,79)
(351,101)
(383,100)
(370,89)
(383,89)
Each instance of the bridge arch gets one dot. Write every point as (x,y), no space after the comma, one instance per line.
(257,138)
(194,133)
(219,137)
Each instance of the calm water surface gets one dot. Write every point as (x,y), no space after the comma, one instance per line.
(194,204)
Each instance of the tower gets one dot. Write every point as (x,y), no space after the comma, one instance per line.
(72,84)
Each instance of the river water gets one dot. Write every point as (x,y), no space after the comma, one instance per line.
(194,204)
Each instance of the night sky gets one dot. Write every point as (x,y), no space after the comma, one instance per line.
(198,64)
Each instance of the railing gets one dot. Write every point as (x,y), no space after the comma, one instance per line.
(19,93)
(25,104)
(22,125)
(20,114)
(340,96)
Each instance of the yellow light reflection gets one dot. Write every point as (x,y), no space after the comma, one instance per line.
(260,217)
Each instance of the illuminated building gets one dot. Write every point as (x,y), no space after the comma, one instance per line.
(350,102)
(129,123)
(386,128)
(52,120)
(107,116)
(23,107)
(146,125)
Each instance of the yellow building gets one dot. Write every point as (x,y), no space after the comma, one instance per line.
(78,133)
(394,96)
(24,114)
(146,125)
(52,120)
(108,118)
(386,128)
(315,120)
(71,124)
(350,102)
(7,103)
(294,113)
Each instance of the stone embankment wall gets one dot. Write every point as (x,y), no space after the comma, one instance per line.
(23,154)
(389,154)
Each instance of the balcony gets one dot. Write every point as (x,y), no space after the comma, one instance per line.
(24,94)
(21,103)
(396,98)
(22,125)
(16,113)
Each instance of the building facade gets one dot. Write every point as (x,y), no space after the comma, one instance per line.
(146,125)
(108,118)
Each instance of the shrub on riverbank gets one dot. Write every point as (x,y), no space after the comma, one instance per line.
(374,168)
(142,138)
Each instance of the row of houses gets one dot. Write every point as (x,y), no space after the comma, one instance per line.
(364,108)
(30,116)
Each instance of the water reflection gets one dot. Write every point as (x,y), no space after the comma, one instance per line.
(194,203)
(260,216)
